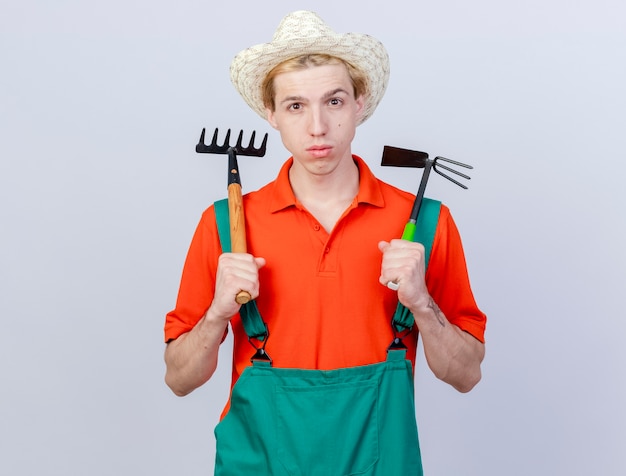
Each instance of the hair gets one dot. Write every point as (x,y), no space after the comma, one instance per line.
(357,77)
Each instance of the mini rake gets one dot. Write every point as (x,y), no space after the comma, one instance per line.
(235,199)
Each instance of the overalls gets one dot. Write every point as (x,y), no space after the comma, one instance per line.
(348,421)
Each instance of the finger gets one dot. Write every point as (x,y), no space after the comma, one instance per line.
(237,272)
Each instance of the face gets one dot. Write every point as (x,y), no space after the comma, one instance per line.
(316,114)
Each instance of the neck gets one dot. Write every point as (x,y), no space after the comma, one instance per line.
(326,196)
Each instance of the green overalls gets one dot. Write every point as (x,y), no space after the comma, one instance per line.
(348,421)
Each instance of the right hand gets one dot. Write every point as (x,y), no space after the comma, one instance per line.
(235,272)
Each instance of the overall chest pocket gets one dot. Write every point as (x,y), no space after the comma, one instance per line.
(328,429)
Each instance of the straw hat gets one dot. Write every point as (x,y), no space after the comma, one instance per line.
(304,32)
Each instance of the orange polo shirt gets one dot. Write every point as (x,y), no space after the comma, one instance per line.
(320,295)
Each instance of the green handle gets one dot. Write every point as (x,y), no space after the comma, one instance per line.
(409,231)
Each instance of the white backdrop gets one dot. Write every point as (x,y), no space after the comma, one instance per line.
(101,104)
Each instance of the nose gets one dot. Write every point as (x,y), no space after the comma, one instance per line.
(317,122)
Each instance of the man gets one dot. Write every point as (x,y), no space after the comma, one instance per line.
(326,273)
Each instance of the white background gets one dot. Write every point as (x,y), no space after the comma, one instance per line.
(101,104)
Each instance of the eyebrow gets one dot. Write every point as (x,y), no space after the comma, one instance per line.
(334,92)
(327,95)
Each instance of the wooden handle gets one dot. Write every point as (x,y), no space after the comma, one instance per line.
(237,229)
(243,297)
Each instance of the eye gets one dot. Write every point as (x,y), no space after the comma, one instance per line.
(294,106)
(335,102)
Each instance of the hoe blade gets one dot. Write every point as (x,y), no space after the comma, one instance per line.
(397,157)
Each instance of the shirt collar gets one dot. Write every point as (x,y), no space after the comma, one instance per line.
(369,187)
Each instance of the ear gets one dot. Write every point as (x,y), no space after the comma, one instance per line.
(271,118)
(360,106)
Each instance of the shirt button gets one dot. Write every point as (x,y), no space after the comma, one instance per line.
(327,250)
(316,227)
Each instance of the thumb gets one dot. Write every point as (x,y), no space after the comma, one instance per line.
(383,245)
(260,262)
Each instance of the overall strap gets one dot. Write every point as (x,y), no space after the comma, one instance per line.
(403,319)
(250,317)
(424,234)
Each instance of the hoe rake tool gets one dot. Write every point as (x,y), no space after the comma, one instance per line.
(397,157)
(235,199)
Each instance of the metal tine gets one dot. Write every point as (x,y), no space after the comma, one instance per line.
(225,147)
(201,147)
(456,172)
(250,150)
(260,151)
(215,148)
(438,165)
(454,162)
(238,145)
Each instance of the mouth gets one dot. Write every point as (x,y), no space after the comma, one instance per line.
(319,150)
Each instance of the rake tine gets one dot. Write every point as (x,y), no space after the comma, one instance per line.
(226,140)
(451,179)
(456,172)
(201,147)
(261,151)
(245,150)
(454,162)
(438,165)
(250,149)
(239,148)
(212,148)
(219,149)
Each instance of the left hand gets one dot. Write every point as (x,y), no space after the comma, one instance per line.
(403,264)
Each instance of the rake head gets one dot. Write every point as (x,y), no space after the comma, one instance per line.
(238,148)
(397,157)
